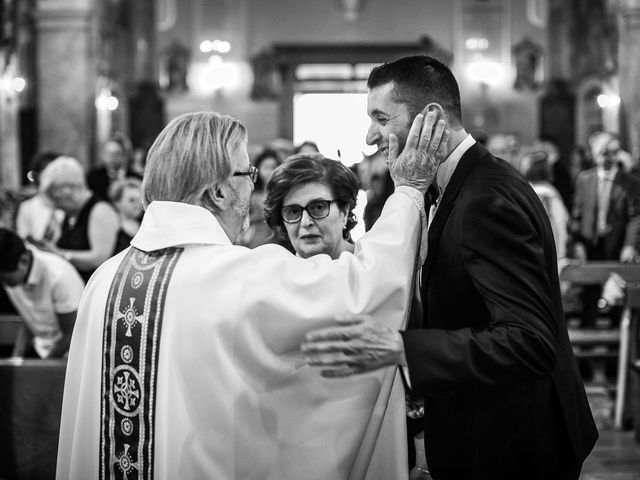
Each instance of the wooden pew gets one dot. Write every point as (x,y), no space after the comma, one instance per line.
(9,325)
(30,409)
(626,337)
(597,272)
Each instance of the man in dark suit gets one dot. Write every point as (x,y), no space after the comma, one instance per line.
(503,398)
(606,215)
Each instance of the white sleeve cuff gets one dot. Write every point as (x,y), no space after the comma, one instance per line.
(418,200)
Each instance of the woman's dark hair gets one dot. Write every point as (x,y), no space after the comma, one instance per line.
(538,169)
(12,248)
(39,161)
(265,154)
(310,168)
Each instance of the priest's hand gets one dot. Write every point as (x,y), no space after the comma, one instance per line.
(424,150)
(356,345)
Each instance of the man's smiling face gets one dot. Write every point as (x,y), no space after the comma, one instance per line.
(387,116)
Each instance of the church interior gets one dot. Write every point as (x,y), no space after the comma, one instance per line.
(538,79)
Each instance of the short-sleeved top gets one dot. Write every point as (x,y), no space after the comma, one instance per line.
(38,219)
(53,287)
(75,236)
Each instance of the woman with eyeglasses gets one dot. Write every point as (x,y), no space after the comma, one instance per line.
(309,205)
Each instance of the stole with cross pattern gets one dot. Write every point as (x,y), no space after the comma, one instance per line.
(131,343)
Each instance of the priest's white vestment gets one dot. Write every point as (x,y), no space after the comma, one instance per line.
(233,397)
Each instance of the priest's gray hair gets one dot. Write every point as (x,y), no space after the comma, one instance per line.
(192,153)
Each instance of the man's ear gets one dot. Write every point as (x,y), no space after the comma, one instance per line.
(25,259)
(436,107)
(217,196)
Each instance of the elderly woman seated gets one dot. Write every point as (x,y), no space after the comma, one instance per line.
(90,225)
(309,205)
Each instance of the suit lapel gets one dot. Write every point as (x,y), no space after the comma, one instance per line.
(617,187)
(467,162)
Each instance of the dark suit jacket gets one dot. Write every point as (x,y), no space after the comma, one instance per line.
(623,217)
(503,396)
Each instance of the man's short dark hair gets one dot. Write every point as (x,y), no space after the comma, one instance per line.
(12,248)
(420,80)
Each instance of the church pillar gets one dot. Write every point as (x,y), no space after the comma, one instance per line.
(146,106)
(9,125)
(66,76)
(9,130)
(629,71)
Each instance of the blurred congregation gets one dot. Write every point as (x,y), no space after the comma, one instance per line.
(86,86)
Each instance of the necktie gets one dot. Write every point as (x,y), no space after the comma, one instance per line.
(431,198)
(432,195)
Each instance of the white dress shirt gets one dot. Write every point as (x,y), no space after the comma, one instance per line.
(52,287)
(446,169)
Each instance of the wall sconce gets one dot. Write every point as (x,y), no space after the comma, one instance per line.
(219,46)
(350,9)
(487,73)
(19,84)
(608,100)
(216,74)
(106,100)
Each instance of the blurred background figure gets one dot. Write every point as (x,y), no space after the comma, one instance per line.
(258,232)
(45,290)
(538,173)
(90,227)
(309,205)
(560,176)
(380,188)
(307,147)
(283,147)
(125,195)
(512,149)
(37,219)
(115,157)
(497,145)
(580,160)
(606,216)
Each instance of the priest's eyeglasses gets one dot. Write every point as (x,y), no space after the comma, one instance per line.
(252,173)
(317,209)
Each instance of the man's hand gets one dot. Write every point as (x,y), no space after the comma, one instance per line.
(426,147)
(580,252)
(628,254)
(357,345)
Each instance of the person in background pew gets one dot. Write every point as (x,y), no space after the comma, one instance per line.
(125,195)
(36,217)
(606,217)
(90,227)
(46,291)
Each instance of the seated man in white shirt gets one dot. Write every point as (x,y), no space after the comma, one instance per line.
(45,290)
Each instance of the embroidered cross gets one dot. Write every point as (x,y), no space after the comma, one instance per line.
(130,318)
(125,463)
(127,391)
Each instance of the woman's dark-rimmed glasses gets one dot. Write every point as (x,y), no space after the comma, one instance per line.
(317,209)
(252,173)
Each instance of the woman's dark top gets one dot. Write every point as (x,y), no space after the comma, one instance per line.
(76,236)
(122,241)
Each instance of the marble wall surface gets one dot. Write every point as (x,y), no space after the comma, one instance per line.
(66,76)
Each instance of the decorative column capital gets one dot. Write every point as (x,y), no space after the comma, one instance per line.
(630,14)
(62,14)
